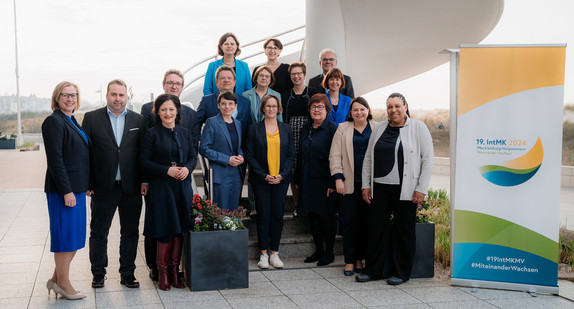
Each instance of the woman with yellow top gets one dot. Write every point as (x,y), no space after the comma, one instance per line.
(270,152)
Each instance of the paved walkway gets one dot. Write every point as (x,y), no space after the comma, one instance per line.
(26,263)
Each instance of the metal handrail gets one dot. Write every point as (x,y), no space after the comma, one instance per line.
(214,57)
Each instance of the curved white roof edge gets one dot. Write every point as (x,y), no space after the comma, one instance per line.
(381,42)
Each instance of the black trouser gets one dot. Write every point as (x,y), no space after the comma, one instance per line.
(323,228)
(103,208)
(150,247)
(354,213)
(270,205)
(391,250)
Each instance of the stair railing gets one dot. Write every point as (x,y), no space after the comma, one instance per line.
(215,57)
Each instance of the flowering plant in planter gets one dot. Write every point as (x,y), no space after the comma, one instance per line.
(206,216)
(423,212)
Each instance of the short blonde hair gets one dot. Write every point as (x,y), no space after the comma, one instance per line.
(58,91)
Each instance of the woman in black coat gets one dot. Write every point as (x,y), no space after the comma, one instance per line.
(168,157)
(67,181)
(270,151)
(313,177)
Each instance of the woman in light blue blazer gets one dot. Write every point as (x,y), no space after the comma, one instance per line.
(221,145)
(228,48)
(262,79)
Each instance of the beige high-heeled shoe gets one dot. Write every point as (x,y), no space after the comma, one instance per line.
(50,286)
(60,291)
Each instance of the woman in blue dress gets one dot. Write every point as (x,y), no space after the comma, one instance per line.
(168,157)
(334,81)
(67,179)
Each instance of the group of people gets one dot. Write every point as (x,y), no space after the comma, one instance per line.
(319,139)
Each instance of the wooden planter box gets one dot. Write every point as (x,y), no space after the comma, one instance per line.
(216,260)
(7,144)
(423,264)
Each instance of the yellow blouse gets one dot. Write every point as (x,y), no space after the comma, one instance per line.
(273,152)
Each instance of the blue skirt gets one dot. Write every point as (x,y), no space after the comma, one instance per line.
(67,224)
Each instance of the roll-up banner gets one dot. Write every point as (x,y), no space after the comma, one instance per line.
(508,160)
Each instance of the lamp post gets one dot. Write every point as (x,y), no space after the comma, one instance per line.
(19,140)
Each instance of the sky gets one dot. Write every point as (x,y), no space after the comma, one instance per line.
(93,42)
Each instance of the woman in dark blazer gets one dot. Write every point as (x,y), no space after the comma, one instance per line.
(221,145)
(270,152)
(168,157)
(67,181)
(313,177)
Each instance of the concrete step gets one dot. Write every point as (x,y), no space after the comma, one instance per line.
(336,268)
(291,225)
(293,246)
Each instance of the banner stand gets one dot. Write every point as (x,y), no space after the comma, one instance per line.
(505,286)
(505,165)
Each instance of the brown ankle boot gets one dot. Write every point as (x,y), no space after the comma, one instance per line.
(163,259)
(174,265)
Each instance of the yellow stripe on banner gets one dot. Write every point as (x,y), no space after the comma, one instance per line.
(489,73)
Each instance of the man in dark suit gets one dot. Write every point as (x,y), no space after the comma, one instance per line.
(328,60)
(172,84)
(225,81)
(116,134)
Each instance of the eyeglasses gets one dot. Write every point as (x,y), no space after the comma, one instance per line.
(271,106)
(272,48)
(171,84)
(225,78)
(329,59)
(69,95)
(296,74)
(318,107)
(265,76)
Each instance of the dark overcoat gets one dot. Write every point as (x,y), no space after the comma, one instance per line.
(169,199)
(313,174)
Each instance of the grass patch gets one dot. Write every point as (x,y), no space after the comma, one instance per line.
(568,143)
(26,145)
(436,208)
(566,242)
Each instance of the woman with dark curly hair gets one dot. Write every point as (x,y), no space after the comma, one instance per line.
(396,175)
(167,158)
